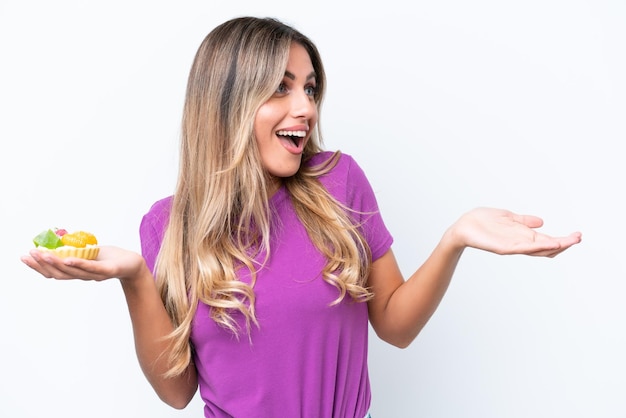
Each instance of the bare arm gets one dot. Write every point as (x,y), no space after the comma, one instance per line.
(149,318)
(400,309)
(150,324)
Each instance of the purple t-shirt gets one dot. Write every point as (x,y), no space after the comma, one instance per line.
(306,359)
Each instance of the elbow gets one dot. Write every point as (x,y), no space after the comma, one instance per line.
(397,334)
(176,402)
(402,344)
(399,341)
(179,405)
(177,392)
(178,396)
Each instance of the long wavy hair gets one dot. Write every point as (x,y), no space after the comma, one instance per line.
(220,218)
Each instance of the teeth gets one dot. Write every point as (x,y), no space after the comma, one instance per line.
(300,134)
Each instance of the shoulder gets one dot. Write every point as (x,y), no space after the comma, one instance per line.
(335,164)
(324,157)
(158,214)
(161,205)
(152,228)
(340,174)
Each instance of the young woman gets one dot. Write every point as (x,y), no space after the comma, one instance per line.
(259,275)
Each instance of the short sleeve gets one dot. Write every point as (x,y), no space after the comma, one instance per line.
(364,202)
(348,183)
(152,229)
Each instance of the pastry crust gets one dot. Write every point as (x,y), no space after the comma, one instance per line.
(89,252)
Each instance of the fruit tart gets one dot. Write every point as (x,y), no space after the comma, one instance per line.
(63,244)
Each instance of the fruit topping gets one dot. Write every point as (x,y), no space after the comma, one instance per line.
(79,239)
(60,231)
(48,239)
(58,237)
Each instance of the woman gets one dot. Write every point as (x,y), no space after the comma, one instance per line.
(259,275)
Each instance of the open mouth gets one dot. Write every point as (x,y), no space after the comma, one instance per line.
(292,139)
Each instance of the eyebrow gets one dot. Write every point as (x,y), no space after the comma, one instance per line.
(293,77)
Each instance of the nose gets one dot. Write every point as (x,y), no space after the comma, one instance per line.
(302,105)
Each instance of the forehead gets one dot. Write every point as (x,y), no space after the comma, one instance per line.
(299,58)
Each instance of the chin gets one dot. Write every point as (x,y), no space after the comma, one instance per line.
(285,173)
(286,170)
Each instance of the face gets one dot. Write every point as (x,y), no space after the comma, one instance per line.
(283,124)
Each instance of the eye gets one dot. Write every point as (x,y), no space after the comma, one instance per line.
(311,90)
(282,89)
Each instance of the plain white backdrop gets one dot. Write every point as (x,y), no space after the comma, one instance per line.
(447,105)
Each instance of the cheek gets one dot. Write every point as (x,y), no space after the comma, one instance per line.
(265,120)
(263,128)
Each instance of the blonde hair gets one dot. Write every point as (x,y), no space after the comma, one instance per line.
(220,216)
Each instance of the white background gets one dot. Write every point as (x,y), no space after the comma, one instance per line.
(447,105)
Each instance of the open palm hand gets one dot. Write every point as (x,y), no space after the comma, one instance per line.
(504,232)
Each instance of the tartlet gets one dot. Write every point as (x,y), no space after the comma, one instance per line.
(63,244)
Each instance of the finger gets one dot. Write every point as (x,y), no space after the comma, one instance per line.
(562,244)
(51,266)
(576,237)
(41,266)
(530,221)
(548,253)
